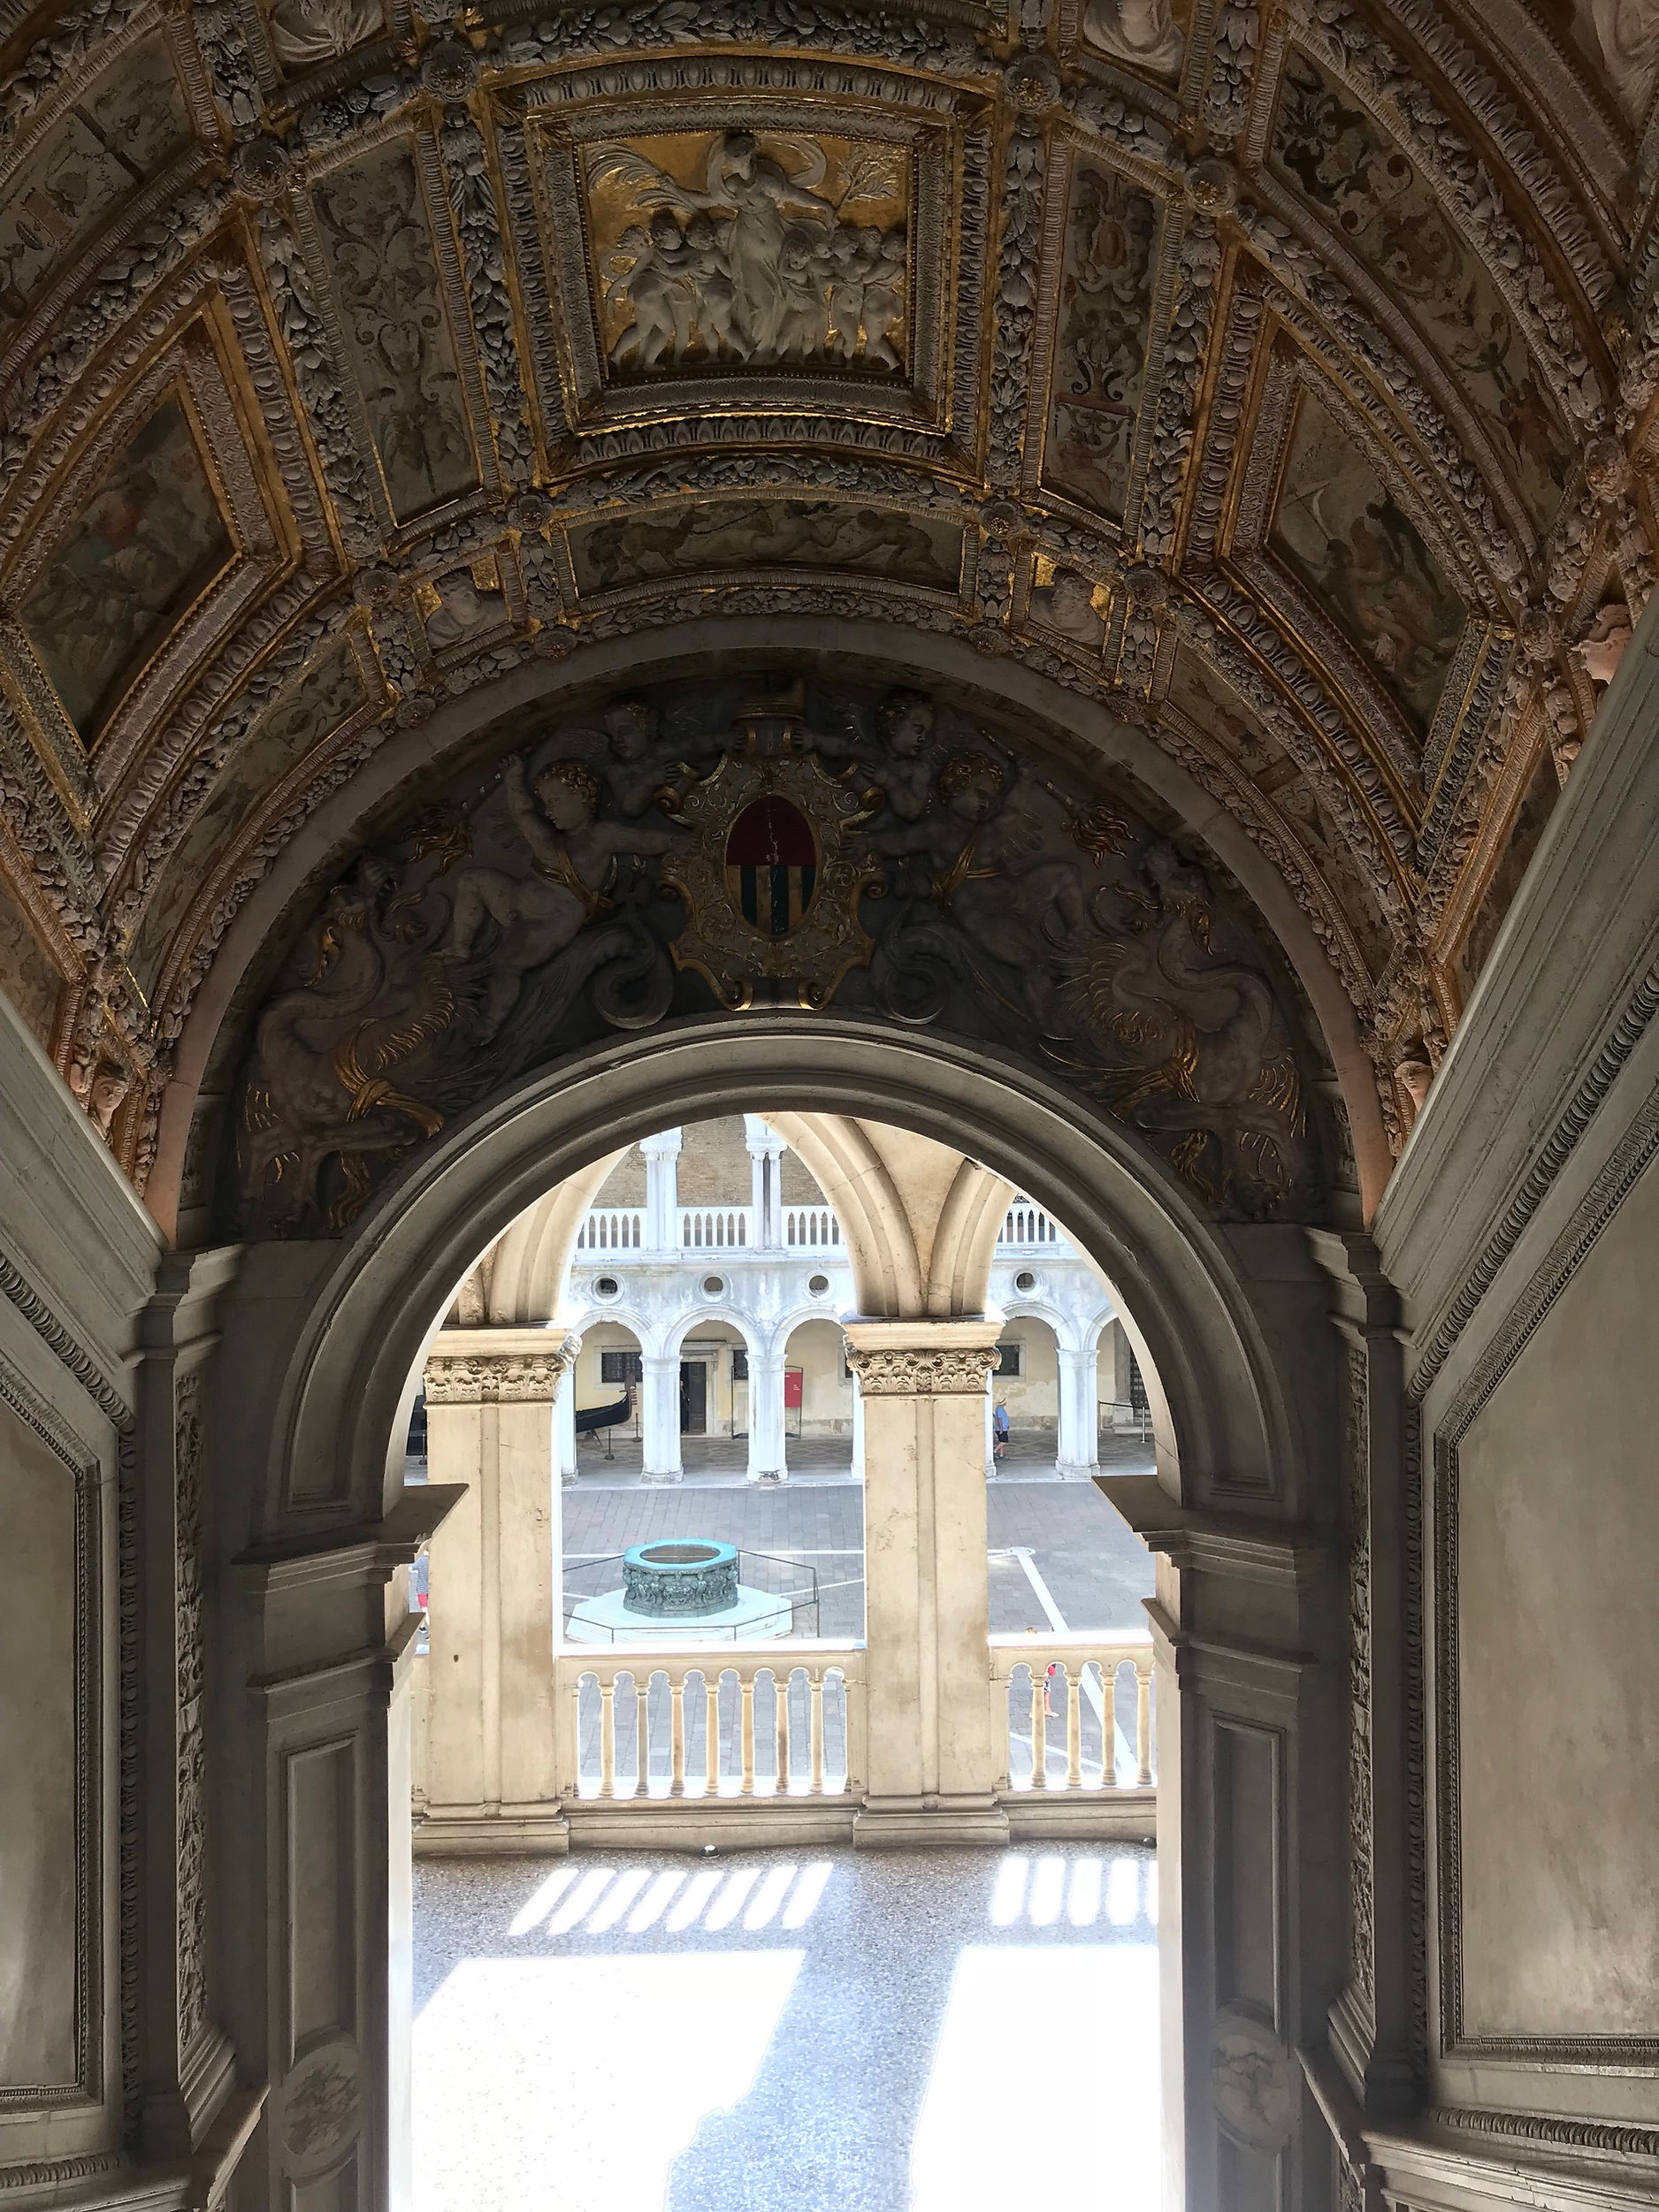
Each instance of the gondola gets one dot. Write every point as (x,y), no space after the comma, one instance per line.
(591,1417)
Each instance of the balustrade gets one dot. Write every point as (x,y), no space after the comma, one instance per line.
(1026,1225)
(716,1228)
(811,1229)
(650,1726)
(1066,1709)
(612,1229)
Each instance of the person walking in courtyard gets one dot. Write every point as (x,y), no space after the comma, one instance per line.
(1000,1431)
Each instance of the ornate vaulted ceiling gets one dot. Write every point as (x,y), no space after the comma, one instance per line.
(1281,378)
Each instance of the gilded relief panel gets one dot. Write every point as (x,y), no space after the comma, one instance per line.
(713,249)
(719,536)
(1336,157)
(148,542)
(325,696)
(1100,347)
(376,229)
(1342,533)
(97,153)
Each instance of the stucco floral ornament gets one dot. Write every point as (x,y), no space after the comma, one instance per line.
(771,892)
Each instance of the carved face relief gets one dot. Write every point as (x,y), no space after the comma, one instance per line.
(1100,349)
(149,541)
(716,535)
(96,154)
(736,247)
(1358,181)
(1356,550)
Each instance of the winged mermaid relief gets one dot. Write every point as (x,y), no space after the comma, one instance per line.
(760,263)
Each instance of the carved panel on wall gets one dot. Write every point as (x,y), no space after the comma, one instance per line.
(1331,152)
(61,188)
(726,536)
(523,916)
(190,1660)
(382,226)
(1102,329)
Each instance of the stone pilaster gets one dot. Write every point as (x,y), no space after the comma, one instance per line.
(487,1782)
(934,1758)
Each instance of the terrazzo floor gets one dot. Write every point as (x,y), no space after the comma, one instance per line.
(833,2032)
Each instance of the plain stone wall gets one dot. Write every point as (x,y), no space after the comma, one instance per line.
(1559,1634)
(37,1761)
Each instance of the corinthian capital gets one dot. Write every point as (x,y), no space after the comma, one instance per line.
(917,1373)
(497,1366)
(921,1359)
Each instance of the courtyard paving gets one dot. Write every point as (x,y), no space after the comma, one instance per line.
(827,2031)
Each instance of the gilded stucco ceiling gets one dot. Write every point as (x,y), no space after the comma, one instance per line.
(1280,377)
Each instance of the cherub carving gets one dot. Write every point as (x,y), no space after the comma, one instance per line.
(573,866)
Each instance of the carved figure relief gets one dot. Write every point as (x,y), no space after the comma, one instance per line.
(756,844)
(462,605)
(379,237)
(125,129)
(1622,37)
(721,534)
(1066,605)
(1105,293)
(1361,182)
(741,247)
(1354,546)
(146,544)
(1139,34)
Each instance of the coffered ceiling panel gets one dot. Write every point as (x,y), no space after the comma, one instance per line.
(1282,381)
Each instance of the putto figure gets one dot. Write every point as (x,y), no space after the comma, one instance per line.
(759,263)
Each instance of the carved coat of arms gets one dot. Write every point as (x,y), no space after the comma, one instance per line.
(770,887)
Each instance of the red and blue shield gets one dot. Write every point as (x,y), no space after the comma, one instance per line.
(772,864)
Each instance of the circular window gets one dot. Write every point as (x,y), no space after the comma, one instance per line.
(818,1285)
(1025,1281)
(714,1284)
(608,1287)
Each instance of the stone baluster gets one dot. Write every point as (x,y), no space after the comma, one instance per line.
(676,1735)
(711,1746)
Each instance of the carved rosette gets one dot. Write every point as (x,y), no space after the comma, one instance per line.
(497,1378)
(944,1371)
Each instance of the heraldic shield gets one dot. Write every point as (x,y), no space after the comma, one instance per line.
(772,885)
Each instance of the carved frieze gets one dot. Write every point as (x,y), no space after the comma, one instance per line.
(883,856)
(494,1378)
(924,1371)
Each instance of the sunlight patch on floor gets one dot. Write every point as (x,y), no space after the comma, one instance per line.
(588,2077)
(1076,2026)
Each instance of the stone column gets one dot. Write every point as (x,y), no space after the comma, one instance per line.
(564,1417)
(662,1191)
(660,1415)
(767,1461)
(495,1575)
(934,1758)
(858,1428)
(765,1150)
(1076,1450)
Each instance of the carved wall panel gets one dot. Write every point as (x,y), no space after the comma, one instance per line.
(967,888)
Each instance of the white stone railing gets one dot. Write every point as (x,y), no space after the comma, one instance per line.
(811,1229)
(1027,1228)
(712,1724)
(1069,1698)
(717,1228)
(612,1229)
